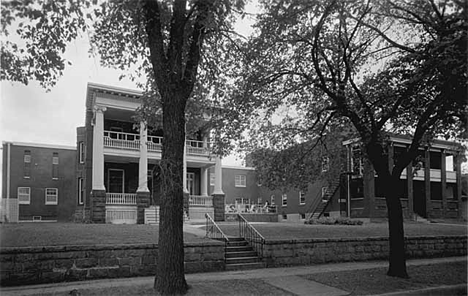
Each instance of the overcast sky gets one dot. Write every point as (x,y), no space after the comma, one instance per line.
(30,114)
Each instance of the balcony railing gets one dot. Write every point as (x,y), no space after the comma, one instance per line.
(121,198)
(121,140)
(200,201)
(130,141)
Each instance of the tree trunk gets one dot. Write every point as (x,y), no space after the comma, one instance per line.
(397,259)
(170,278)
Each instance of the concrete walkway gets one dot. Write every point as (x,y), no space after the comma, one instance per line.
(287,278)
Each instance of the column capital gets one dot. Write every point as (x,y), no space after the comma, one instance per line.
(99,109)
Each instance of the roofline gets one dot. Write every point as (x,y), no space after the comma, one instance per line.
(238,167)
(435,143)
(39,145)
(115,89)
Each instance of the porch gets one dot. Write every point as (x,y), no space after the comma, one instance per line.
(121,208)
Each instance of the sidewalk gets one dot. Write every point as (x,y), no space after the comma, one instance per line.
(287,279)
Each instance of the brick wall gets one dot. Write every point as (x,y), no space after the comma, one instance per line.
(316,251)
(35,265)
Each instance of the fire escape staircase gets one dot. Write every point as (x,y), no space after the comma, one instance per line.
(321,202)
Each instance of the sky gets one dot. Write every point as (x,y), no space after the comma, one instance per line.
(28,113)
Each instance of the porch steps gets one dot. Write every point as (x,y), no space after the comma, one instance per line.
(240,256)
(152,215)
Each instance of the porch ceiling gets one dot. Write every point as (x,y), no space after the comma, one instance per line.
(128,159)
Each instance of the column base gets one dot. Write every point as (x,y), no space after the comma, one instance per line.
(143,202)
(219,205)
(98,206)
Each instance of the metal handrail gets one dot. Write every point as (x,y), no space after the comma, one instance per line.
(314,205)
(213,231)
(251,235)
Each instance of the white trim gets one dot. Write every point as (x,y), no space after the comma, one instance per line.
(302,193)
(240,180)
(115,89)
(29,196)
(39,145)
(80,191)
(284,197)
(81,152)
(238,168)
(56,196)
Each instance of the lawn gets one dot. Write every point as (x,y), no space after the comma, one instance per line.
(375,281)
(301,231)
(59,234)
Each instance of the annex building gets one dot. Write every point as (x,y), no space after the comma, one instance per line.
(112,176)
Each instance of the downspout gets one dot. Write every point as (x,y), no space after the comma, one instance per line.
(8,182)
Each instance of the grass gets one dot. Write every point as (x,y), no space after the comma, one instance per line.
(375,281)
(62,234)
(355,282)
(302,231)
(59,234)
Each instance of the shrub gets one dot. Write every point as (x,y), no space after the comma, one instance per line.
(334,221)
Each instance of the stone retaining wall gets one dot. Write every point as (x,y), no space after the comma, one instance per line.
(35,265)
(318,251)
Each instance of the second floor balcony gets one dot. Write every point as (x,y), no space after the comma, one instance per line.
(131,141)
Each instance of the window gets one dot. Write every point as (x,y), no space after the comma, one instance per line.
(325,163)
(51,196)
(80,191)
(24,195)
(356,160)
(240,181)
(301,197)
(284,200)
(81,152)
(272,198)
(302,216)
(324,193)
(212,179)
(55,162)
(27,164)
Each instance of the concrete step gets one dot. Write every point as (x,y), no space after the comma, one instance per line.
(241,254)
(242,260)
(244,266)
(236,243)
(238,249)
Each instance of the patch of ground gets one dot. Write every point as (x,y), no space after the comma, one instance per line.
(375,281)
(303,231)
(60,234)
(224,288)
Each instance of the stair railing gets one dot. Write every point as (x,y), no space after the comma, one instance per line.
(251,235)
(213,231)
(314,205)
(329,199)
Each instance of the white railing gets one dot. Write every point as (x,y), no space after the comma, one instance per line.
(154,143)
(121,214)
(121,140)
(200,201)
(130,141)
(197,147)
(121,198)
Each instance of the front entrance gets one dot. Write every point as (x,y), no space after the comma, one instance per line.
(116,181)
(191,183)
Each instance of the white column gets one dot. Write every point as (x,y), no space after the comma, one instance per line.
(143,164)
(204,182)
(218,177)
(184,177)
(98,148)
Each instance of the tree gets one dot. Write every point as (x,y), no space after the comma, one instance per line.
(380,66)
(166,43)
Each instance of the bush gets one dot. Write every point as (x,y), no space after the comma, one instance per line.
(334,221)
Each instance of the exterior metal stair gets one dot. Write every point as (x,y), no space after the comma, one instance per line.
(240,256)
(323,201)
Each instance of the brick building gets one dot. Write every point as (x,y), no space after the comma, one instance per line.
(111,176)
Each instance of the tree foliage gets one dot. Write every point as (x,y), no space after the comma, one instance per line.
(177,51)
(378,66)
